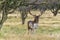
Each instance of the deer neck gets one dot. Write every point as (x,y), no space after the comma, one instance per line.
(36,20)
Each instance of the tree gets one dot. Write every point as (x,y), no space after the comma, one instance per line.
(6,6)
(25,6)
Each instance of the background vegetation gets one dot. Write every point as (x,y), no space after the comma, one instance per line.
(12,11)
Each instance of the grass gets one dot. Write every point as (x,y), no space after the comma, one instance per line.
(49,29)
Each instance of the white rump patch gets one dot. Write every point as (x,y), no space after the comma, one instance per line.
(35,25)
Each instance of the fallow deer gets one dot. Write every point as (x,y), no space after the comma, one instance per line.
(32,25)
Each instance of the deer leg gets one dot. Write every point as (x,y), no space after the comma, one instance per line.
(28,27)
(30,30)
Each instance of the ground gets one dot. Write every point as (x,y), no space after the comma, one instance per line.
(49,28)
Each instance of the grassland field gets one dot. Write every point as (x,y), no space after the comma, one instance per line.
(49,28)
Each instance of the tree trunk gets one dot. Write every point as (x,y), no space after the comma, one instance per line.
(23,16)
(4,16)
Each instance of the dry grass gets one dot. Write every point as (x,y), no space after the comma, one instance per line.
(49,28)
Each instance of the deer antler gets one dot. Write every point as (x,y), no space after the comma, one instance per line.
(34,14)
(31,14)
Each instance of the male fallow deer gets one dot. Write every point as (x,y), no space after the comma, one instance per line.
(32,25)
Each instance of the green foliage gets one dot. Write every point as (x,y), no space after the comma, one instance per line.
(7,5)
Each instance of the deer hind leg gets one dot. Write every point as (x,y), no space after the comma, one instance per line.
(30,31)
(29,27)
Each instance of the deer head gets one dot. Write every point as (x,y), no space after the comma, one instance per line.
(36,17)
